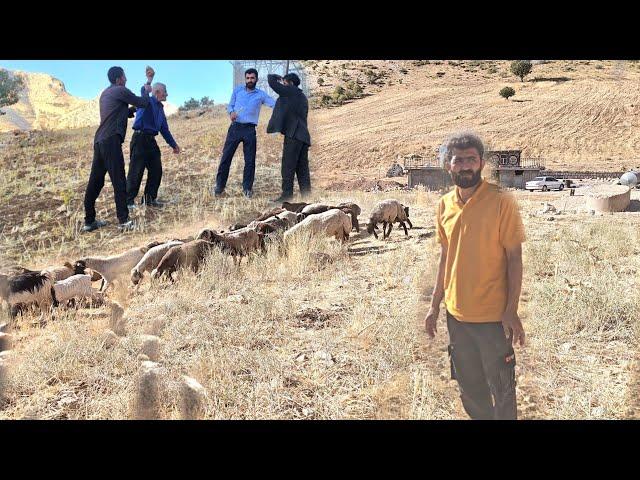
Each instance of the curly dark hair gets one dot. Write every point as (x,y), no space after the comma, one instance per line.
(463,140)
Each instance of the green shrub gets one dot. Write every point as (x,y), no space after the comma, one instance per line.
(507,92)
(10,88)
(521,68)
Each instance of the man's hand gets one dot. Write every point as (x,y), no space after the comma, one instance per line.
(150,73)
(431,321)
(234,115)
(513,327)
(176,149)
(147,88)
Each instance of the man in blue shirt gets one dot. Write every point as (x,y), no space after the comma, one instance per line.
(145,152)
(244,110)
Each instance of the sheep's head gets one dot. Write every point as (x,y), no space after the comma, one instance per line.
(370,228)
(149,246)
(79,267)
(207,235)
(136,276)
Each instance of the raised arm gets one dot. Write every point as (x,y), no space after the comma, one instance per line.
(126,95)
(279,88)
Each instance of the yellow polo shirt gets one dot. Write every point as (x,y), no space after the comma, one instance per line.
(477,234)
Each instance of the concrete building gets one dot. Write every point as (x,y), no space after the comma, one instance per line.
(509,169)
(426,172)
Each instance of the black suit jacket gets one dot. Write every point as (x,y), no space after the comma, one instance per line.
(289,115)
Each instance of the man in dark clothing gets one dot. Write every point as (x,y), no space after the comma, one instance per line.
(290,118)
(144,149)
(107,149)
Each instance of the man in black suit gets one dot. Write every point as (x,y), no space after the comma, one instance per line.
(290,118)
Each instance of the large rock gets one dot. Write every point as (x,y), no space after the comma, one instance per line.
(608,198)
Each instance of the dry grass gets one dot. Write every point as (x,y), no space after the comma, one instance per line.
(315,330)
(293,334)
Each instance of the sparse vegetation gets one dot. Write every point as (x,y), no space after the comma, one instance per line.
(10,88)
(521,68)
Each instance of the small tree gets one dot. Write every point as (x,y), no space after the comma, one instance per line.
(191,104)
(507,92)
(206,102)
(10,88)
(320,81)
(521,68)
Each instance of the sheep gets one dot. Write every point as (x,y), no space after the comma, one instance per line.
(76,286)
(237,226)
(314,208)
(354,210)
(270,213)
(294,207)
(270,225)
(111,267)
(388,212)
(238,243)
(290,217)
(150,260)
(189,254)
(26,288)
(330,223)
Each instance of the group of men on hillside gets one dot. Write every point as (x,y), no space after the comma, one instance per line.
(289,118)
(478,226)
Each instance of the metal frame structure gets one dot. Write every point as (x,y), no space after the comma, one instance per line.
(265,67)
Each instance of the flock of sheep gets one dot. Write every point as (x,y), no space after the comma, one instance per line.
(60,285)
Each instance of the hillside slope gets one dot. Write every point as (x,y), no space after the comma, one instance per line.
(578,115)
(45,104)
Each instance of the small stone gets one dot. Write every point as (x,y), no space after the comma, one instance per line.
(151,347)
(237,299)
(109,339)
(5,341)
(301,358)
(193,398)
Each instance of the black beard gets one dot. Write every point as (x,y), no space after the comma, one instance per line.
(466,181)
(251,85)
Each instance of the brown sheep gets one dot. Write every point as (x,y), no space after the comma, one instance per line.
(294,207)
(190,255)
(270,213)
(238,243)
(352,209)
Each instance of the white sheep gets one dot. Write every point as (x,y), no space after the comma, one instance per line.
(150,260)
(334,223)
(388,212)
(76,286)
(114,266)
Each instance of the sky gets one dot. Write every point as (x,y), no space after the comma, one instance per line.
(184,78)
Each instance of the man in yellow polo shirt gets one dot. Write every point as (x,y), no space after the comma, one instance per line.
(479,276)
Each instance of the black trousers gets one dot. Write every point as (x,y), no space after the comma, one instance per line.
(107,158)
(145,153)
(238,132)
(483,362)
(295,161)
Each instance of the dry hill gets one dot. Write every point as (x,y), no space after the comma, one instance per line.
(576,114)
(45,104)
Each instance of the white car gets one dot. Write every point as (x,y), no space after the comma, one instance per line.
(544,184)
